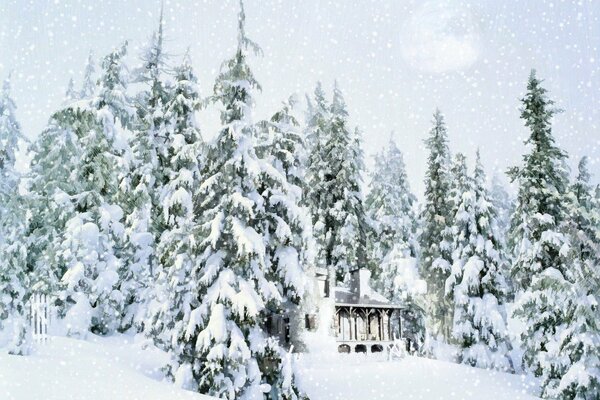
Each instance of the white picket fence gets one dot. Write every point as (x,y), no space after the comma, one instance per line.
(41,317)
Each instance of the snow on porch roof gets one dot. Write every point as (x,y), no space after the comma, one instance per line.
(346,297)
(360,293)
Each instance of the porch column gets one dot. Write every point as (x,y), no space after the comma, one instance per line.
(390,313)
(351,323)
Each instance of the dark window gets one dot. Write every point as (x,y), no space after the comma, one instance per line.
(286,327)
(310,322)
(343,348)
(360,348)
(376,348)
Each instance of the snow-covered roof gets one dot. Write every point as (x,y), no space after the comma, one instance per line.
(360,293)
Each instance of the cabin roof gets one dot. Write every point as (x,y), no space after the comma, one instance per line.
(359,293)
(348,297)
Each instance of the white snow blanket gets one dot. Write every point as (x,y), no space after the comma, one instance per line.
(101,368)
(116,367)
(357,377)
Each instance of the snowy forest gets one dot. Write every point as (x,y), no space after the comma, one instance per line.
(135,225)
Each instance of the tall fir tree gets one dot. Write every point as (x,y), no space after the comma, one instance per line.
(143,185)
(476,284)
(341,208)
(221,348)
(318,122)
(435,219)
(290,250)
(541,267)
(14,278)
(391,212)
(173,290)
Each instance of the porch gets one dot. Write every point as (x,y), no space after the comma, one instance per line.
(366,328)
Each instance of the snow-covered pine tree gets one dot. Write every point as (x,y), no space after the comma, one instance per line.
(391,212)
(14,279)
(70,94)
(290,244)
(52,183)
(221,348)
(142,186)
(435,219)
(461,185)
(341,201)
(317,132)
(576,357)
(93,237)
(176,250)
(89,85)
(503,204)
(477,284)
(541,265)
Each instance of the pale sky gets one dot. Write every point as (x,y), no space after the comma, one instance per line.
(396,61)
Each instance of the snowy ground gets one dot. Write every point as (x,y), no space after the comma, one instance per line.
(355,377)
(117,368)
(112,368)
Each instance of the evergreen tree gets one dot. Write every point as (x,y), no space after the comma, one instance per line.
(575,358)
(70,94)
(503,204)
(141,188)
(391,211)
(94,235)
(541,265)
(53,185)
(220,347)
(435,217)
(177,244)
(290,244)
(89,85)
(318,122)
(476,285)
(341,200)
(14,280)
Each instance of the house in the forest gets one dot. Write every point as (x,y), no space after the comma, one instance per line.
(364,320)
(359,318)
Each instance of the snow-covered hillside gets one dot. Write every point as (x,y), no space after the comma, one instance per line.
(357,377)
(117,367)
(108,368)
